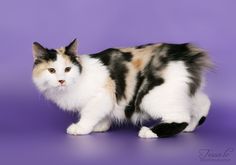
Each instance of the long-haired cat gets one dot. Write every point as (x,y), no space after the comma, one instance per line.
(154,81)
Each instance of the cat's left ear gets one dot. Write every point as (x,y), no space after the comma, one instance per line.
(71,49)
(38,50)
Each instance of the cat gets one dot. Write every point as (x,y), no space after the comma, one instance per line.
(148,82)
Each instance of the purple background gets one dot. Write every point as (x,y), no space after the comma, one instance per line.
(32,130)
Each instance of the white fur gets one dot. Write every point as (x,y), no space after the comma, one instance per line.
(170,101)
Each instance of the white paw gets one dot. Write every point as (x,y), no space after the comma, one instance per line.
(75,129)
(145,132)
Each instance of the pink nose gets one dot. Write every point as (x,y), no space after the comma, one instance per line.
(61,81)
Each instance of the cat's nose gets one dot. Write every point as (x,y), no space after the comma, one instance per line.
(61,81)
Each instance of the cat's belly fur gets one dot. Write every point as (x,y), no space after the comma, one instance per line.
(118,114)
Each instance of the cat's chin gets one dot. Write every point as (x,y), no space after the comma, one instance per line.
(61,87)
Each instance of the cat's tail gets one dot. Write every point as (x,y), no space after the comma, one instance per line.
(186,52)
(195,59)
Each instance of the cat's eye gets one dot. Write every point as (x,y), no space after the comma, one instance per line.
(67,69)
(51,70)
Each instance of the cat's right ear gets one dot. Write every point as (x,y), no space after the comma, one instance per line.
(38,50)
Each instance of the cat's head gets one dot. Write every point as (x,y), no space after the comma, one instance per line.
(55,69)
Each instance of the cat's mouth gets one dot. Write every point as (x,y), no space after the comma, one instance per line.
(61,87)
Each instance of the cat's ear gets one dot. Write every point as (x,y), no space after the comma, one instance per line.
(71,49)
(38,50)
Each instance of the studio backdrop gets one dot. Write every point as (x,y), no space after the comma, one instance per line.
(32,129)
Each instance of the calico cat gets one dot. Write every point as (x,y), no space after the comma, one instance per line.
(154,81)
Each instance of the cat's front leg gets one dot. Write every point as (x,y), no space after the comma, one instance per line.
(79,129)
(91,115)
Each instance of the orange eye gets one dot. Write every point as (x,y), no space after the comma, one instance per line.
(51,70)
(67,69)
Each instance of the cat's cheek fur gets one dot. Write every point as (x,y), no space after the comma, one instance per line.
(72,77)
(45,81)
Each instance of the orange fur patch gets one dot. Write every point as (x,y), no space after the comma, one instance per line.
(110,85)
(137,63)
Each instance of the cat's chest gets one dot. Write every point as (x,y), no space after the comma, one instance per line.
(69,101)
(72,100)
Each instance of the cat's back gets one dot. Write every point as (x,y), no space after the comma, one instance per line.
(137,57)
(125,66)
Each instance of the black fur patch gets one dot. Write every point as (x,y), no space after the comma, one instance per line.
(202,120)
(119,78)
(130,108)
(76,62)
(115,61)
(37,61)
(127,56)
(168,129)
(49,55)
(151,80)
(105,56)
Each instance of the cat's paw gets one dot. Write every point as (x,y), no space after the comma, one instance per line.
(146,132)
(76,129)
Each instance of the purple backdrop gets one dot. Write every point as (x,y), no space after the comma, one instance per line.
(32,130)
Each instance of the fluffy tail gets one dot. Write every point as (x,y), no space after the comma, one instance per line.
(195,59)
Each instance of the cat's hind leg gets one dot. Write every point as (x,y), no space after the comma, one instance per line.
(171,107)
(162,130)
(169,101)
(200,109)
